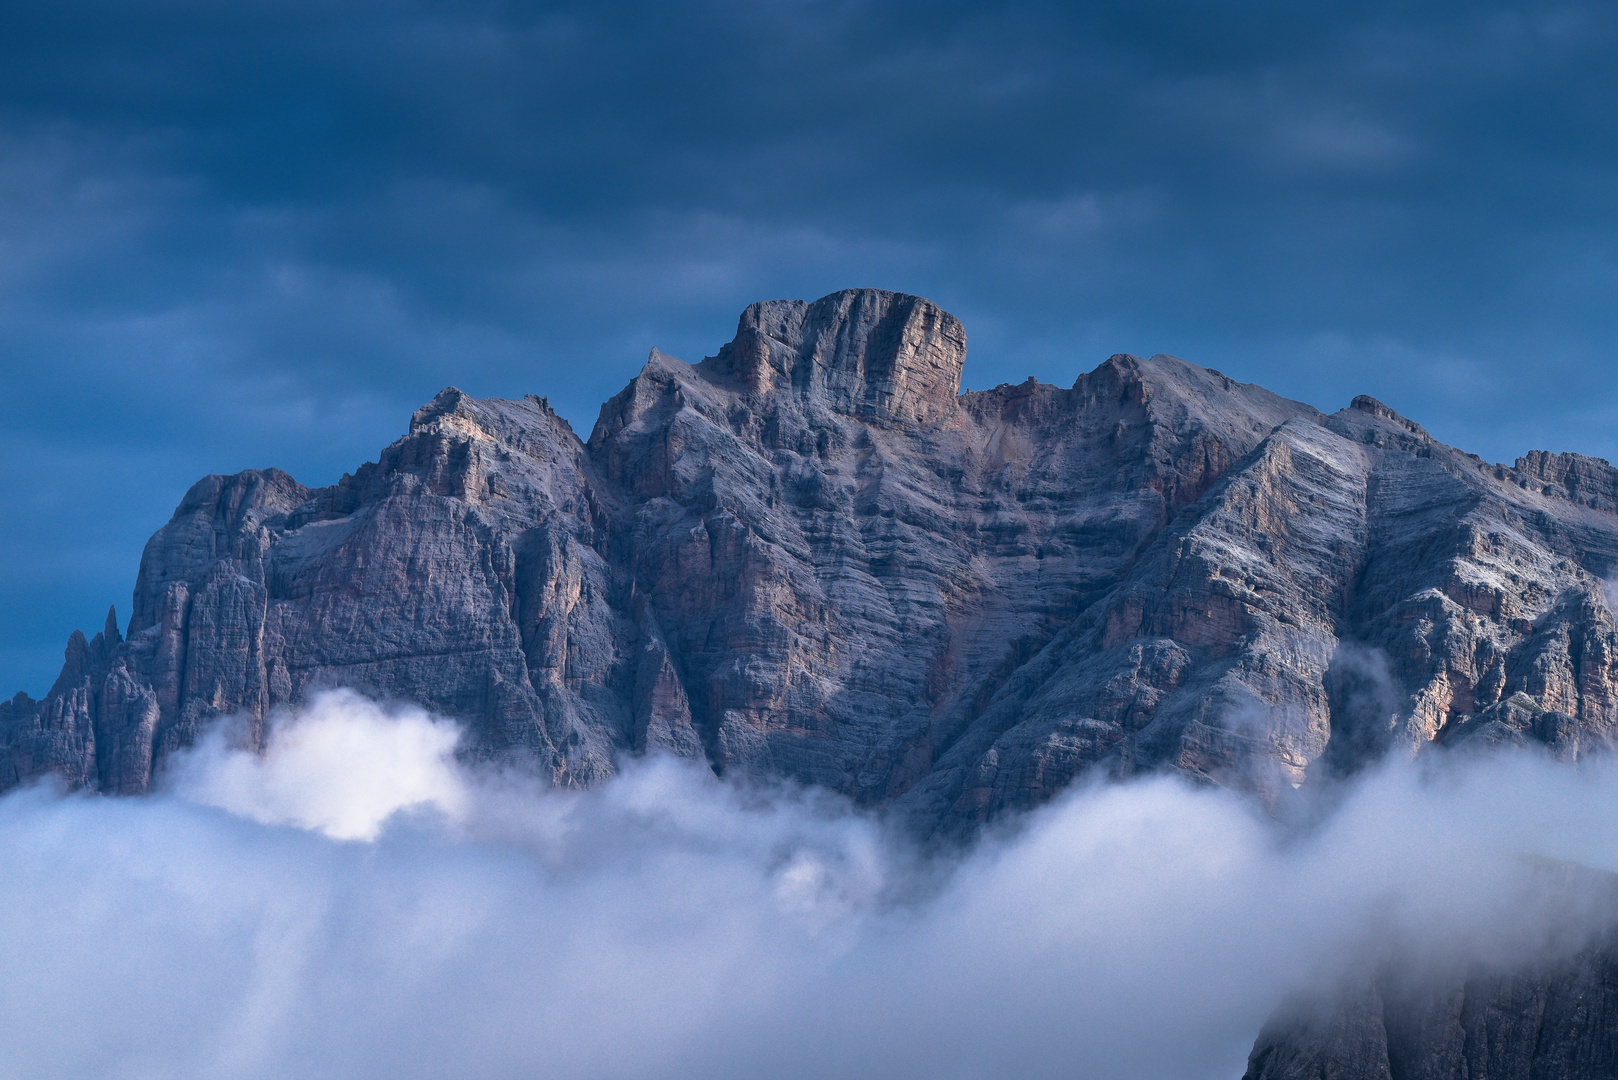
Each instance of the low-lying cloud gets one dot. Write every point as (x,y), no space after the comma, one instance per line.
(343,768)
(357,903)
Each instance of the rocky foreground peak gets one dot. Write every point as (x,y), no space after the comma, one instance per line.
(811,556)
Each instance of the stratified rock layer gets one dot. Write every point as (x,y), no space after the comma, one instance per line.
(809,556)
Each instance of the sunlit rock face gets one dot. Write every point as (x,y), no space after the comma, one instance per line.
(810,556)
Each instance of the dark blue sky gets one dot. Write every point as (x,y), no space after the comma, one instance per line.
(260,233)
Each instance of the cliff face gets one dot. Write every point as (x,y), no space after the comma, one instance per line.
(810,556)
(1551,1014)
(1540,1023)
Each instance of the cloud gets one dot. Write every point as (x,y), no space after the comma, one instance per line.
(357,904)
(342,767)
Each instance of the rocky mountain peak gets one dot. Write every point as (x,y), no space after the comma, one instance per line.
(864,352)
(1365,403)
(447,402)
(808,557)
(455,414)
(1591,481)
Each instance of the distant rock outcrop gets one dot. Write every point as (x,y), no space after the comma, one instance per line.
(1549,1015)
(810,556)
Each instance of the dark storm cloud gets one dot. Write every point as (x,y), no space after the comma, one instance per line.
(245,234)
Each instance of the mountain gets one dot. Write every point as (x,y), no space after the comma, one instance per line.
(811,556)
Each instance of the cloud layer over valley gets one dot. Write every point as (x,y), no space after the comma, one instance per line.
(358,903)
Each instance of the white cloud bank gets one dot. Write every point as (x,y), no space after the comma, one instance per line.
(343,768)
(356,904)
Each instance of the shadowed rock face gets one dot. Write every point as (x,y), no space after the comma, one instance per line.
(810,556)
(1538,1024)
(1551,1017)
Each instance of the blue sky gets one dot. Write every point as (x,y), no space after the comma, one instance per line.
(245,234)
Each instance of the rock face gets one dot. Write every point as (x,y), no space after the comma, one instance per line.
(811,556)
(1554,1017)
(1536,1024)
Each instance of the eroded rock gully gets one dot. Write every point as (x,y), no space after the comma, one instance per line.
(811,556)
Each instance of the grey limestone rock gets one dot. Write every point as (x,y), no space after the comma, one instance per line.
(811,556)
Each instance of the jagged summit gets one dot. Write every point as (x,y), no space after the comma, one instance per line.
(811,556)
(865,352)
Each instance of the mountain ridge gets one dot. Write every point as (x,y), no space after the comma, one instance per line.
(811,556)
